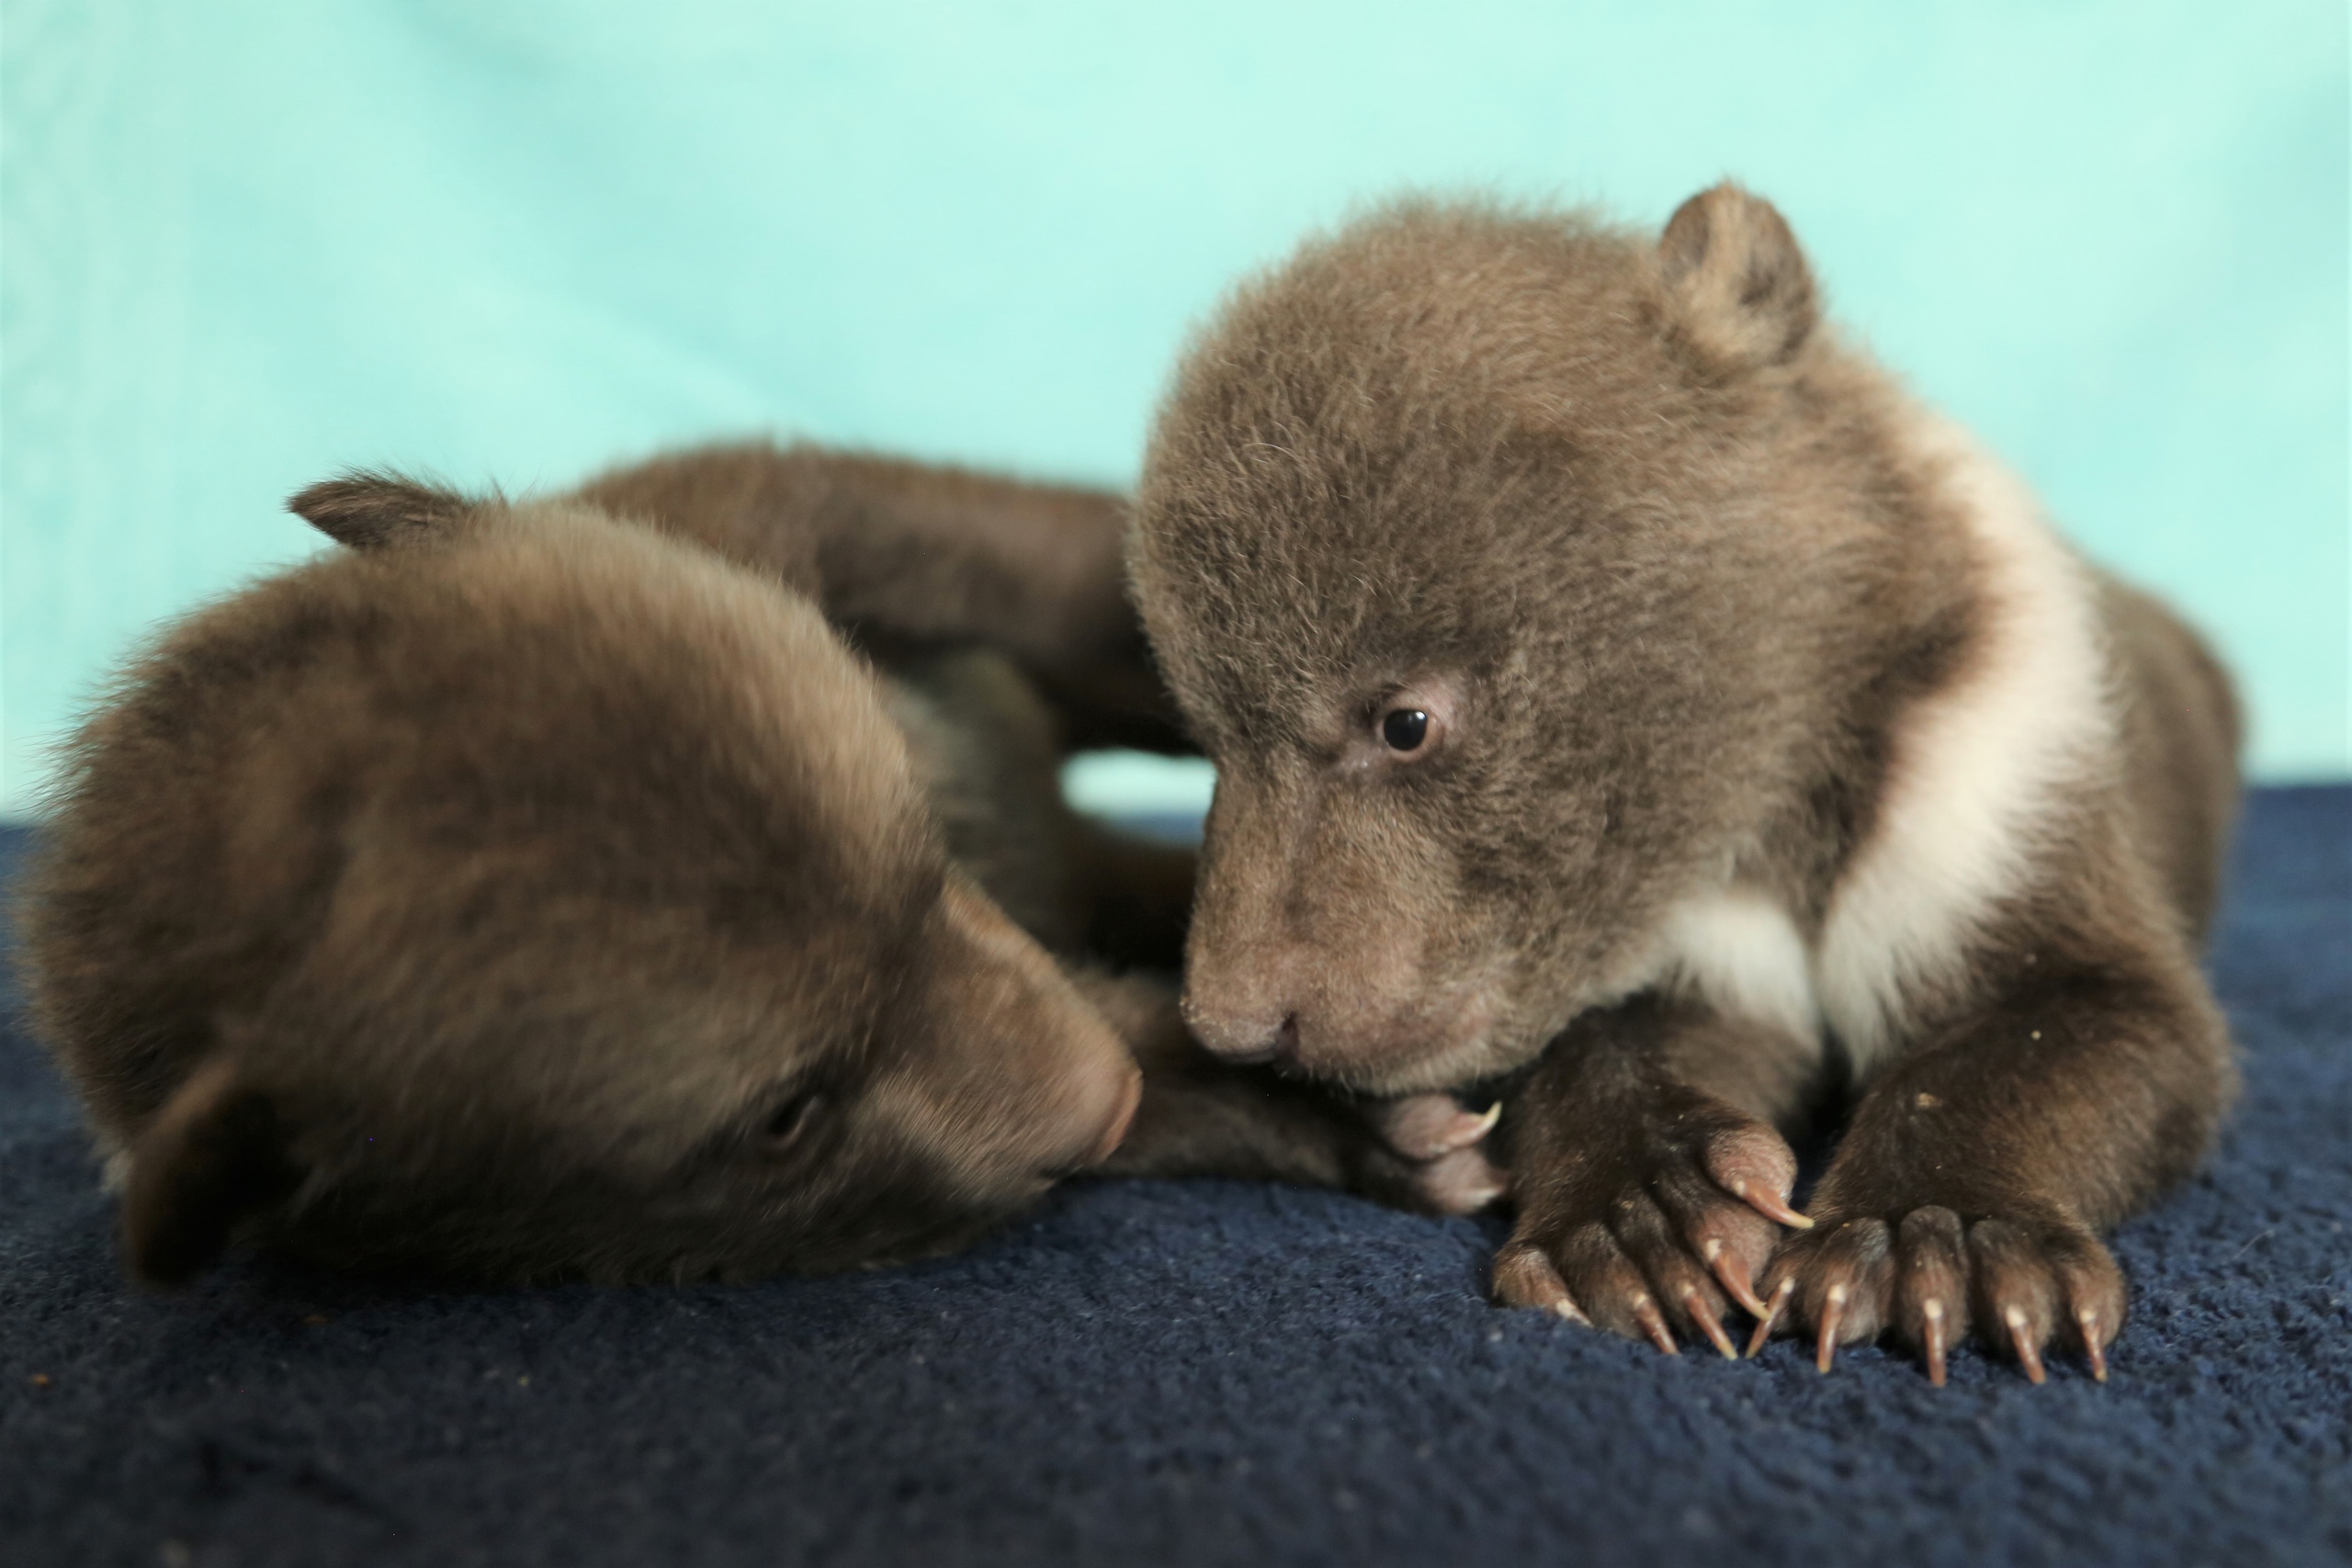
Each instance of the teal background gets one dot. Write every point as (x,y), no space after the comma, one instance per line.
(242,244)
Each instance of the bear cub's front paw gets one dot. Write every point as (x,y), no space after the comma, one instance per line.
(1929,1277)
(1655,1222)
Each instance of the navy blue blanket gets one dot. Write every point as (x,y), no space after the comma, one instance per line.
(1206,1373)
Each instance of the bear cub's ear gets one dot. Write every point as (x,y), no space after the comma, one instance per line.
(1736,281)
(369,511)
(213,1154)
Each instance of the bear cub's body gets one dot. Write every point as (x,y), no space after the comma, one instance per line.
(1623,693)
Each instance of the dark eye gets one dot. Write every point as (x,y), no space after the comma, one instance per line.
(791,1120)
(1404,728)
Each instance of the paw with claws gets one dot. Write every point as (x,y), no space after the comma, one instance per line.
(1647,1218)
(1443,1151)
(1930,1277)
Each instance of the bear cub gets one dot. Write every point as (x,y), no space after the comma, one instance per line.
(1626,695)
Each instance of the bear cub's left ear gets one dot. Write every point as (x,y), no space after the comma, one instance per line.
(369,512)
(1737,283)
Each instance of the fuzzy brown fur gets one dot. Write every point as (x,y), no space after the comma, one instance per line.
(943,575)
(908,557)
(529,895)
(482,898)
(1717,657)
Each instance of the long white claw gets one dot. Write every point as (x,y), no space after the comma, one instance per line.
(1933,1311)
(1788,1288)
(1732,1273)
(1771,1205)
(2028,1353)
(2093,1346)
(1696,1307)
(1653,1323)
(1833,1313)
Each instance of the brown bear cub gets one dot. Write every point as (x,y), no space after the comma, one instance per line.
(528,893)
(1625,695)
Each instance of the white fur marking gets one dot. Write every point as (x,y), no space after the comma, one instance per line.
(1740,951)
(1977,768)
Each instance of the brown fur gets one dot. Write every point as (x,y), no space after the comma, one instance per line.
(940,573)
(490,903)
(907,557)
(529,879)
(1680,582)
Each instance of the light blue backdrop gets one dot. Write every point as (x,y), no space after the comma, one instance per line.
(242,244)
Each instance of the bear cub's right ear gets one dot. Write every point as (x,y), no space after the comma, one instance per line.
(368,511)
(1736,280)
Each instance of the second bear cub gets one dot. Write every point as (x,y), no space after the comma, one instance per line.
(533,895)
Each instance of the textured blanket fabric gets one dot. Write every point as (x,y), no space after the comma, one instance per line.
(1205,1373)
